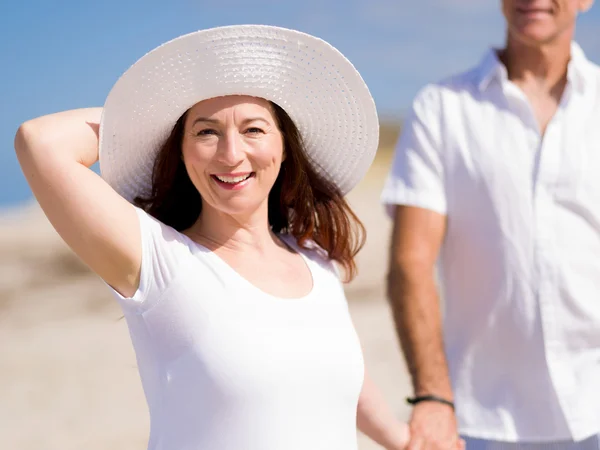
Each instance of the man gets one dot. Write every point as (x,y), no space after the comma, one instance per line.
(497,172)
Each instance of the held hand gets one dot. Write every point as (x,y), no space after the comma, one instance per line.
(433,427)
(400,439)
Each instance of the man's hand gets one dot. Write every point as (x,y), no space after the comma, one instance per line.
(433,427)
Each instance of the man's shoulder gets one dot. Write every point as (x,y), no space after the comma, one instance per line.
(454,85)
(595,69)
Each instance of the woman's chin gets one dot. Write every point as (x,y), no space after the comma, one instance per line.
(241,207)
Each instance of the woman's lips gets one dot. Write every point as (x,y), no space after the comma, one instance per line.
(233,181)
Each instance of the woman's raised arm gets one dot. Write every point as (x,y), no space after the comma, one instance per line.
(56,152)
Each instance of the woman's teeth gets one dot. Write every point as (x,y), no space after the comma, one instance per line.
(232,180)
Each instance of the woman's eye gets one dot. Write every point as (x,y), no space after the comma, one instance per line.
(206,132)
(254,130)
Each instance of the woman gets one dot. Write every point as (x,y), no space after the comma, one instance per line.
(225,155)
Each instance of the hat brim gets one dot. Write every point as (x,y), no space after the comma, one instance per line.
(313,82)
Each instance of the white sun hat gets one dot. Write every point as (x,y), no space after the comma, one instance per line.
(312,81)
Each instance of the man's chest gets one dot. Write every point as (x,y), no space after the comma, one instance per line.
(495,158)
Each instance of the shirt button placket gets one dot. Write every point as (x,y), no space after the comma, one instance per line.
(544,207)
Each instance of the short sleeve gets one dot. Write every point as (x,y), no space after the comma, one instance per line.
(416,177)
(162,249)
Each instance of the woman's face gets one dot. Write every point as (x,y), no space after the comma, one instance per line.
(232,149)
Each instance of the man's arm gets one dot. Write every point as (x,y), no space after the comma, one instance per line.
(416,240)
(412,291)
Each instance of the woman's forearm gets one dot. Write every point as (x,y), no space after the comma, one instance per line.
(70,134)
(376,420)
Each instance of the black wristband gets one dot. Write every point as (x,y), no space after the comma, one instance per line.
(429,398)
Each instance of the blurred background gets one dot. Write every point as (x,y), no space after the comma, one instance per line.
(68,377)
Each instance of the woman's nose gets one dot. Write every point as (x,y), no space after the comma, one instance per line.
(230,149)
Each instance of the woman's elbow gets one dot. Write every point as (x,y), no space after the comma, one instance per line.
(27,137)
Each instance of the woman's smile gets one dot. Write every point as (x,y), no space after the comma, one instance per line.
(233,181)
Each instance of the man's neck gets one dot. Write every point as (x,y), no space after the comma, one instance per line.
(542,66)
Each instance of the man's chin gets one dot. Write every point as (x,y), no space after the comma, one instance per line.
(535,34)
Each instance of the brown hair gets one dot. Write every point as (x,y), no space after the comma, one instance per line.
(301,202)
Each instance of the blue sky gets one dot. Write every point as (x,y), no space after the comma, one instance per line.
(67,54)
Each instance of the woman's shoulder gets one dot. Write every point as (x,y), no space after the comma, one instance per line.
(167,255)
(307,247)
(312,251)
(162,240)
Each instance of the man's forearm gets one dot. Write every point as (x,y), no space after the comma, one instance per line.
(415,304)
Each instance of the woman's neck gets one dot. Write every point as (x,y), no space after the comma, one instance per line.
(216,229)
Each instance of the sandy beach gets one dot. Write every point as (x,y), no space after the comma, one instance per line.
(68,378)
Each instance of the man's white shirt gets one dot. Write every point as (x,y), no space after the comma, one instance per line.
(520,263)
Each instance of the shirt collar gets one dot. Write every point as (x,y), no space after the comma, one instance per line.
(579,68)
(491,69)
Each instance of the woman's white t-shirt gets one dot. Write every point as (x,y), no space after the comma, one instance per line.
(226,366)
